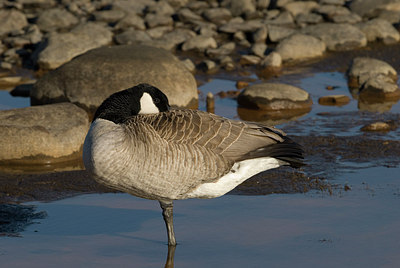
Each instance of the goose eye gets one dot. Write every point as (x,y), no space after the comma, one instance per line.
(156,100)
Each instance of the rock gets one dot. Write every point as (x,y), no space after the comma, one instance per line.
(6,65)
(334,100)
(161,8)
(262,4)
(159,32)
(33,34)
(223,50)
(188,63)
(332,2)
(199,43)
(43,134)
(37,3)
(364,68)
(178,3)
(273,59)
(310,18)
(132,36)
(198,5)
(109,16)
(187,16)
(241,84)
(300,7)
(227,63)
(179,36)
(350,18)
(11,20)
(375,80)
(380,86)
(392,16)
(154,20)
(277,33)
(12,81)
(236,25)
(208,66)
(337,36)
(260,35)
(372,8)
(131,20)
(65,46)
(249,60)
(259,49)
(56,19)
(89,79)
(274,96)
(380,29)
(240,7)
(137,7)
(160,43)
(218,16)
(284,18)
(331,11)
(206,28)
(300,47)
(377,126)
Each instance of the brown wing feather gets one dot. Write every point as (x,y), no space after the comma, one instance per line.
(233,140)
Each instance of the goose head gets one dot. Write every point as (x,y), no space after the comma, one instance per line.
(140,99)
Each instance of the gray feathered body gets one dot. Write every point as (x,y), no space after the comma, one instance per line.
(168,155)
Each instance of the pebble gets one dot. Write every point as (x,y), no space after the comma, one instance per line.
(334,100)
(259,49)
(241,84)
(377,126)
(249,60)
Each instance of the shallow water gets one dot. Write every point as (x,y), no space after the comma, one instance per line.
(356,228)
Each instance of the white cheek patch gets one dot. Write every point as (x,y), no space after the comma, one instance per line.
(147,105)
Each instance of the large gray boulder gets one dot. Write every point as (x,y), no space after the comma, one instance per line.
(337,36)
(42,134)
(90,78)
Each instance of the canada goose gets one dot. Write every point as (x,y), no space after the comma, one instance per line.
(136,144)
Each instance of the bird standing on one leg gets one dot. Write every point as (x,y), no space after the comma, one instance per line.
(136,144)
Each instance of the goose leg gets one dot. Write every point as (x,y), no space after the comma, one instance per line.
(167,207)
(170,257)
